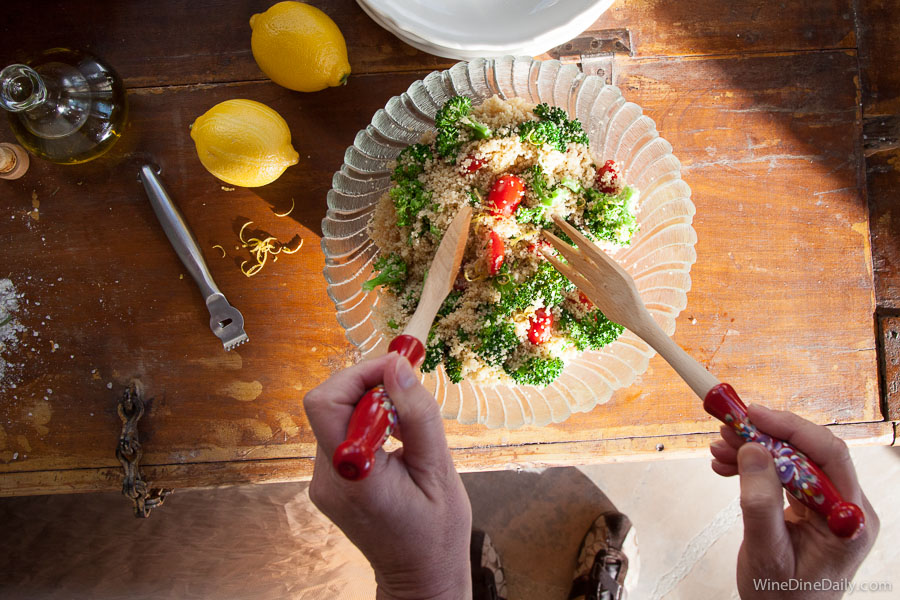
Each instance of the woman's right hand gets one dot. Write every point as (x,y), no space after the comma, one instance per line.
(781,545)
(411,516)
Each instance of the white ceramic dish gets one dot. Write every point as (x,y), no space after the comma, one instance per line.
(659,258)
(472,28)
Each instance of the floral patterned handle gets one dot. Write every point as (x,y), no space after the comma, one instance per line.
(800,476)
(373,419)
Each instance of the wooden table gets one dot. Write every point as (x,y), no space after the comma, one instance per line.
(766,105)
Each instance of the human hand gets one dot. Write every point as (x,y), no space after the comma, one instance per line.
(794,543)
(410,517)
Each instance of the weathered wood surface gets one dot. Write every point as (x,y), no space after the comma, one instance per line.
(184,43)
(217,474)
(781,305)
(880,61)
(880,79)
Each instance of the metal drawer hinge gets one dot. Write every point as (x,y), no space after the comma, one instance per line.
(595,53)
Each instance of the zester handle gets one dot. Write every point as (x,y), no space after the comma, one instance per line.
(177,231)
(800,476)
(373,419)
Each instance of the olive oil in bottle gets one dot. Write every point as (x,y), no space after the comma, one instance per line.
(65,106)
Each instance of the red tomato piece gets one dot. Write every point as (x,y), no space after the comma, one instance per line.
(496,248)
(582,297)
(539,326)
(506,194)
(609,178)
(471,164)
(536,247)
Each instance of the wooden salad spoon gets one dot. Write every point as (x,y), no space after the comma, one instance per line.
(374,417)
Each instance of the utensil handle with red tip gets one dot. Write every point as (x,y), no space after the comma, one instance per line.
(373,419)
(800,476)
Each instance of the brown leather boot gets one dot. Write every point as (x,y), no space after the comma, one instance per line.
(602,565)
(488,579)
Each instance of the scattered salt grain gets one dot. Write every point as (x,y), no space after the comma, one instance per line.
(15,455)
(109,385)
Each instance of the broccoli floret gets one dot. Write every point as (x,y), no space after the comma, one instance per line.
(553,127)
(449,119)
(497,341)
(438,351)
(572,184)
(570,130)
(591,332)
(410,197)
(453,366)
(534,214)
(546,284)
(536,180)
(610,217)
(539,133)
(409,194)
(411,162)
(537,371)
(392,275)
(434,354)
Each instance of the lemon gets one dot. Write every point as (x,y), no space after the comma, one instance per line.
(299,47)
(243,143)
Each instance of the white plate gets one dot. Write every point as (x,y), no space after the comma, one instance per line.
(424,46)
(471,28)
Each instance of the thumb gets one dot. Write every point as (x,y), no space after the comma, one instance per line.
(425,449)
(762,500)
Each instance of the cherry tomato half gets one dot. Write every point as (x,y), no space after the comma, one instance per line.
(539,326)
(470,164)
(495,253)
(609,180)
(505,195)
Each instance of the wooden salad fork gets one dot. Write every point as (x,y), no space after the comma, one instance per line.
(613,291)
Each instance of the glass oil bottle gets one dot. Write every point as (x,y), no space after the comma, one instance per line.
(65,106)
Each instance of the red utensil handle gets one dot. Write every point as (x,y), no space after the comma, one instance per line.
(373,419)
(800,476)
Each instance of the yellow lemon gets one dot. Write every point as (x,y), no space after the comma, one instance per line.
(299,47)
(243,143)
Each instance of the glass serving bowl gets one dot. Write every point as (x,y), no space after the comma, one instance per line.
(659,257)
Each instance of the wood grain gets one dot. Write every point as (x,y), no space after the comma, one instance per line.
(122,310)
(188,43)
(889,328)
(768,130)
(880,96)
(708,27)
(208,41)
(254,471)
